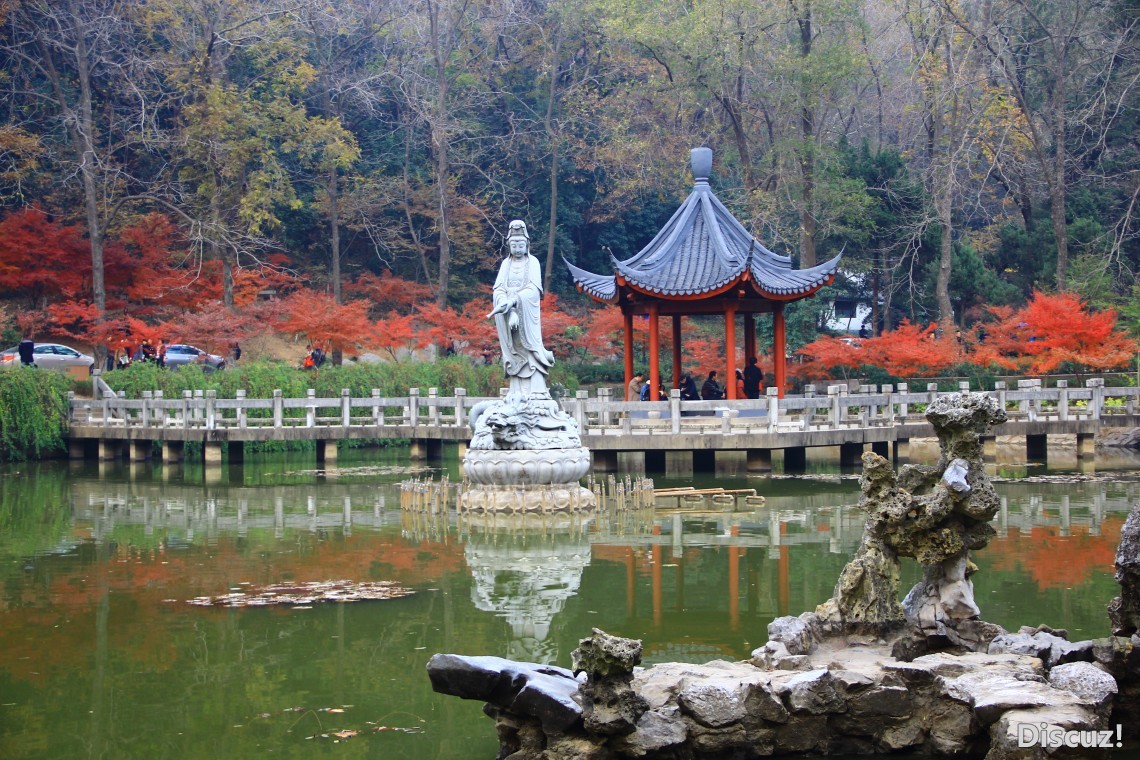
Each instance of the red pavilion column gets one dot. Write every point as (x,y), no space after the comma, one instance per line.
(778,347)
(730,353)
(654,353)
(628,349)
(749,337)
(676,350)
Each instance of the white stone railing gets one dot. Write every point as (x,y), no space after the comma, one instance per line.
(835,409)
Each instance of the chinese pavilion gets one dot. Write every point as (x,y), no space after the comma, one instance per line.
(703,261)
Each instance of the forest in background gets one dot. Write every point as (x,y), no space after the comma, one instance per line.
(166,166)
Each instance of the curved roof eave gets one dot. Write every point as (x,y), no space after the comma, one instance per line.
(599,287)
(794,283)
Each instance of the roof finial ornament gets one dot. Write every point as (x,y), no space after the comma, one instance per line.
(701,161)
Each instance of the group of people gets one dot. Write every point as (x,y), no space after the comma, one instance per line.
(126,353)
(749,384)
(314,357)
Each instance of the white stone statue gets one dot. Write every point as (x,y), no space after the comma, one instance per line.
(518,318)
(525,438)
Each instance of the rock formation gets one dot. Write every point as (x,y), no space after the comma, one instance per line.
(934,514)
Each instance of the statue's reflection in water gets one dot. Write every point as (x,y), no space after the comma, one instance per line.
(524,568)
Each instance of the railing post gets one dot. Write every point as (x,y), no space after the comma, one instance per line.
(187,397)
(199,405)
(726,420)
(433,406)
(999,389)
(96,389)
(239,396)
(675,410)
(1063,400)
(833,394)
(144,411)
(413,407)
(311,408)
(773,397)
(932,389)
(964,387)
(211,411)
(888,413)
(460,407)
(809,391)
(345,407)
(904,407)
(377,419)
(580,410)
(159,411)
(278,408)
(605,396)
(1096,403)
(71,406)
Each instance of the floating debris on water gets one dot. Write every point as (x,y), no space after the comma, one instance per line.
(303,594)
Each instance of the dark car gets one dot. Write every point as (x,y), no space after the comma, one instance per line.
(179,354)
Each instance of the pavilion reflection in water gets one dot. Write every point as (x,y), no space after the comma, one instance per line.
(749,565)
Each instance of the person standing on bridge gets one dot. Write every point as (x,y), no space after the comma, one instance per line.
(753,379)
(633,390)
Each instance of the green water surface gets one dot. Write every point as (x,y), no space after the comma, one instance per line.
(102,657)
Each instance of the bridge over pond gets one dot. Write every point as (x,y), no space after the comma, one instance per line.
(671,434)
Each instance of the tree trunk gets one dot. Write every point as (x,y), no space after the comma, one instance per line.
(440,145)
(1057,186)
(552,96)
(807,152)
(332,188)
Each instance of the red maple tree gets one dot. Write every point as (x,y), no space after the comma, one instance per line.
(911,351)
(327,324)
(1051,330)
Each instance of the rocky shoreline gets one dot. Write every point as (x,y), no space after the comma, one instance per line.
(862,674)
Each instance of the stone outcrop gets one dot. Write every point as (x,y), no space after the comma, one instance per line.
(851,699)
(935,515)
(1124,610)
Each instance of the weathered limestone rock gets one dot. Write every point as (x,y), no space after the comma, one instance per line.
(1124,610)
(609,705)
(935,515)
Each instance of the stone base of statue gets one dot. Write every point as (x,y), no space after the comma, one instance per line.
(526,466)
(534,499)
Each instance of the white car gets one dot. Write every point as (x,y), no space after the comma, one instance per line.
(49,356)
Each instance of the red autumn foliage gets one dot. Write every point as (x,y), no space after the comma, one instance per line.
(824,356)
(910,351)
(1051,330)
(40,258)
(397,331)
(211,327)
(389,292)
(325,323)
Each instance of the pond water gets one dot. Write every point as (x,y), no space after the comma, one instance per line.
(101,656)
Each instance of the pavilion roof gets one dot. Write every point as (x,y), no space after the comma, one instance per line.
(702,251)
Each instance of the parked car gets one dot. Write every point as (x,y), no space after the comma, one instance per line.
(179,354)
(49,356)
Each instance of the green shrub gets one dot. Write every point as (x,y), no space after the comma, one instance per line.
(259,379)
(33,413)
